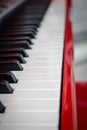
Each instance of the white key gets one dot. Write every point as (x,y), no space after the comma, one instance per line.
(30,117)
(35,93)
(31,105)
(37,84)
(29,127)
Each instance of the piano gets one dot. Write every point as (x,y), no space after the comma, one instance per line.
(37,86)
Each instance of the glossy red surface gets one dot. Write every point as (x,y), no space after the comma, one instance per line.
(69,108)
(69,111)
(81,96)
(74,95)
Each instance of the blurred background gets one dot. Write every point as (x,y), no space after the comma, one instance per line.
(79,17)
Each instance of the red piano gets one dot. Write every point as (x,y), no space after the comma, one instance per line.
(31,104)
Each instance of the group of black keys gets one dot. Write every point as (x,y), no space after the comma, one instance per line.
(15,36)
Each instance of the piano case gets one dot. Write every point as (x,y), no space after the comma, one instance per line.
(74,94)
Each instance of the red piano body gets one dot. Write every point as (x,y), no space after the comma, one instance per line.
(74,94)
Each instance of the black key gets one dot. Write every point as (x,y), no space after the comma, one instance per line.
(5,87)
(37,16)
(23,27)
(18,34)
(33,12)
(14,50)
(8,76)
(35,7)
(12,44)
(28,17)
(10,65)
(25,16)
(2,108)
(11,56)
(25,24)
(19,30)
(8,39)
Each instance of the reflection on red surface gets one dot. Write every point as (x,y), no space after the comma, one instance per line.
(74,95)
(69,107)
(69,110)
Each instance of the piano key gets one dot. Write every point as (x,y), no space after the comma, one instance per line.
(43,65)
(10,56)
(8,76)
(5,87)
(37,69)
(24,27)
(2,108)
(41,56)
(20,30)
(43,62)
(38,57)
(48,84)
(32,94)
(32,7)
(37,6)
(26,24)
(25,16)
(38,77)
(33,12)
(29,127)
(49,117)
(24,38)
(20,33)
(31,105)
(29,17)
(11,44)
(14,50)
(8,65)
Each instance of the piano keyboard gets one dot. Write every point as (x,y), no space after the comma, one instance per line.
(34,103)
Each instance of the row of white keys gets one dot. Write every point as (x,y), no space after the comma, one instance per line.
(35,103)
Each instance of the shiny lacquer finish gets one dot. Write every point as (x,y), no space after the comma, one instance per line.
(69,111)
